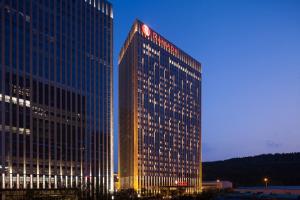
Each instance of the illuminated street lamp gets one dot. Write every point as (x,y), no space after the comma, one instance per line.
(266,180)
(218,185)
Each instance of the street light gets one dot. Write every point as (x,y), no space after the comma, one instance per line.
(218,185)
(266,182)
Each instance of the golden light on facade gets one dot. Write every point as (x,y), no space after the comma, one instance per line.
(160,114)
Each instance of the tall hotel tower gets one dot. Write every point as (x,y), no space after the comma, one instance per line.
(160,114)
(56,94)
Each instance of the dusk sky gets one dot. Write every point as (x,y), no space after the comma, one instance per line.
(250,53)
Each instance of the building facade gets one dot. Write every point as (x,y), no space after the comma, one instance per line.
(159,114)
(56,94)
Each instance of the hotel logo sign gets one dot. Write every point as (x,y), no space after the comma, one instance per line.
(146,30)
(156,38)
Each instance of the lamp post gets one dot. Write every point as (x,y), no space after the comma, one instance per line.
(218,185)
(266,182)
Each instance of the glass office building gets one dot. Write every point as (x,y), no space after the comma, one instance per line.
(159,114)
(56,94)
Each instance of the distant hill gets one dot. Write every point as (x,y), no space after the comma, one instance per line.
(281,169)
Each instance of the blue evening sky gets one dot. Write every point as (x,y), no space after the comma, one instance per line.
(250,52)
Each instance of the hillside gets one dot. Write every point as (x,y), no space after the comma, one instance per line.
(281,169)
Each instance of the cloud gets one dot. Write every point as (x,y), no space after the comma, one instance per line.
(273,145)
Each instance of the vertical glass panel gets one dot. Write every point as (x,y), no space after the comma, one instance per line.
(7,38)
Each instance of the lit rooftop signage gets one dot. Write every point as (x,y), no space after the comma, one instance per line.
(147,32)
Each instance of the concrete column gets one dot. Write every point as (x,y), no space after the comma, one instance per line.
(10,180)
(55,181)
(44,184)
(31,181)
(18,181)
(3,181)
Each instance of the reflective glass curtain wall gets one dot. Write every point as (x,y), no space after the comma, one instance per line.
(56,94)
